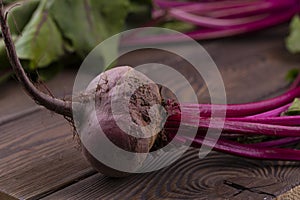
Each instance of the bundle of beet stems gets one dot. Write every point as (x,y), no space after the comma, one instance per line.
(218,19)
(263,118)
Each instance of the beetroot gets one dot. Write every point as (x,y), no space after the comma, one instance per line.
(108,118)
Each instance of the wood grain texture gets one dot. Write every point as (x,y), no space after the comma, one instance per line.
(37,151)
(38,155)
(39,158)
(14,100)
(218,176)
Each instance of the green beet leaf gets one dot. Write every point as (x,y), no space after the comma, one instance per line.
(46,31)
(3,59)
(41,42)
(5,70)
(85,23)
(20,15)
(178,26)
(9,1)
(294,109)
(292,75)
(293,40)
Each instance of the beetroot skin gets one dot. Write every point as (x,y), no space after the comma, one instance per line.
(116,85)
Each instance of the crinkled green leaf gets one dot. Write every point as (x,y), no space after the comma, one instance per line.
(293,40)
(9,1)
(179,26)
(292,75)
(113,14)
(138,7)
(41,40)
(4,62)
(86,23)
(20,15)
(3,58)
(294,109)
(51,28)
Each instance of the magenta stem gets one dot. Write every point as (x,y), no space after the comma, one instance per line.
(204,8)
(245,150)
(238,110)
(272,113)
(284,121)
(166,4)
(246,128)
(260,8)
(210,22)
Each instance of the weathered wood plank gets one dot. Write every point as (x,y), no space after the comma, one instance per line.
(38,155)
(218,176)
(13,99)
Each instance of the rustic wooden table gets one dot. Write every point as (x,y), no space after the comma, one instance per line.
(39,158)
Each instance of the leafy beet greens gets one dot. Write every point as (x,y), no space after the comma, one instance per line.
(48,31)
